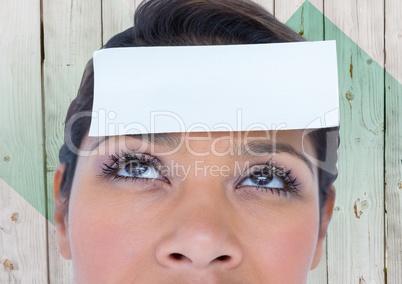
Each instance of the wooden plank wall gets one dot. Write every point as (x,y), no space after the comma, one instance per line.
(23,251)
(44,48)
(362,104)
(72,31)
(393,139)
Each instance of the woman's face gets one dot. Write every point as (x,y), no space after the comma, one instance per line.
(205,208)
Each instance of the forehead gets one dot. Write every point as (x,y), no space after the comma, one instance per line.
(296,138)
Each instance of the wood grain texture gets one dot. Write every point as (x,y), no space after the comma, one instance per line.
(117,16)
(308,21)
(284,9)
(72,31)
(393,140)
(267,4)
(22,228)
(21,135)
(356,236)
(393,38)
(353,22)
(23,257)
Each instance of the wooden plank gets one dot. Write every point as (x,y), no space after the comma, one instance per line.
(117,16)
(357,29)
(23,252)
(307,21)
(393,38)
(267,4)
(284,9)
(393,138)
(356,236)
(21,139)
(72,32)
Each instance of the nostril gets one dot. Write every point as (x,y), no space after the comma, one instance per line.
(176,256)
(223,258)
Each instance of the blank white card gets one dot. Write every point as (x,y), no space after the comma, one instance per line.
(215,88)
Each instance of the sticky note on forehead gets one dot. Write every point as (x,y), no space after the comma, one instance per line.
(140,90)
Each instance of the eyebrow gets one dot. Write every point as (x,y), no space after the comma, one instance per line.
(261,147)
(249,149)
(161,139)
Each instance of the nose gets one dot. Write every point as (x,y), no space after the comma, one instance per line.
(200,237)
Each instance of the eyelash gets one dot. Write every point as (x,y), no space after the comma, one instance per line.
(119,161)
(290,182)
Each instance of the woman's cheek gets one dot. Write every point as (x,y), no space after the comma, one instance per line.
(283,250)
(106,239)
(301,243)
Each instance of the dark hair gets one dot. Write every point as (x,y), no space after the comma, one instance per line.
(193,22)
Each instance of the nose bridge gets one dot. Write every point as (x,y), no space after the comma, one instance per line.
(203,217)
(204,207)
(201,233)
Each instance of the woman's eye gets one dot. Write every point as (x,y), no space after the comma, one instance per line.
(263,178)
(138,169)
(133,166)
(270,177)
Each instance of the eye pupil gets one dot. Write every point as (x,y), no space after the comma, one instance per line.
(266,172)
(136,168)
(261,177)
